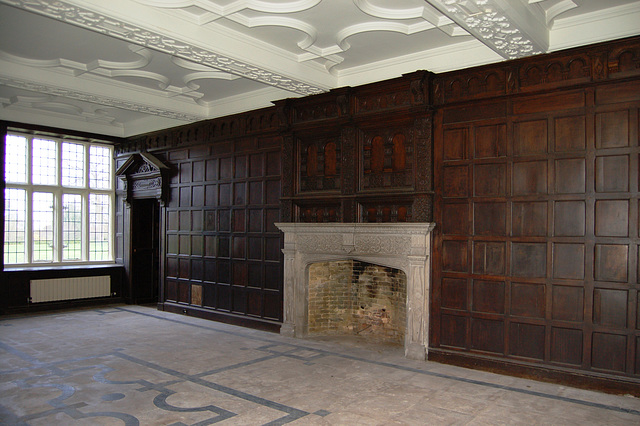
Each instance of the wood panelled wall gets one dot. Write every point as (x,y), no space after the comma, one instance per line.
(529,169)
(537,205)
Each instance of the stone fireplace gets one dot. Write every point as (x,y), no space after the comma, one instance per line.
(402,246)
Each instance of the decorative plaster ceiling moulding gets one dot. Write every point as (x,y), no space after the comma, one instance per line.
(86,18)
(507,27)
(92,98)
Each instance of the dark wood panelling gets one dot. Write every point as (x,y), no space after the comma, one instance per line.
(537,255)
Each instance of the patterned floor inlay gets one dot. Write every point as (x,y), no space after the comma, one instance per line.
(137,366)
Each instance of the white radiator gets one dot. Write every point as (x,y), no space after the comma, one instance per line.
(70,288)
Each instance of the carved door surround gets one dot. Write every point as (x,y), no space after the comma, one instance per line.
(143,176)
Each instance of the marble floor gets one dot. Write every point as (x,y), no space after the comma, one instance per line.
(135,365)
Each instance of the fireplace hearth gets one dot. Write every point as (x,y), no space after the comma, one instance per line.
(403,246)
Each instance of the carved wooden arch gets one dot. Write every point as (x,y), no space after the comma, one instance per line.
(143,176)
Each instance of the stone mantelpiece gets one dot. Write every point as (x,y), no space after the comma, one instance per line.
(404,246)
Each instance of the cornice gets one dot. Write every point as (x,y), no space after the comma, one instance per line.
(95,99)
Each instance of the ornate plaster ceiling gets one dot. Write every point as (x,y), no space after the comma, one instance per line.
(124,67)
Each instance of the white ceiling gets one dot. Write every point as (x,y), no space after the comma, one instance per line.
(125,67)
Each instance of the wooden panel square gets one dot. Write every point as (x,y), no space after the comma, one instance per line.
(570,134)
(172,244)
(224,297)
(612,173)
(238,300)
(455,144)
(453,331)
(255,220)
(526,340)
(455,219)
(210,271)
(529,260)
(255,248)
(196,294)
(489,258)
(488,296)
(224,194)
(568,261)
(490,180)
(226,168)
(487,335)
(196,220)
(211,195)
(209,296)
(210,220)
(455,181)
(529,219)
(198,171)
(184,266)
(566,345)
(185,244)
(197,247)
(185,196)
(255,275)
(240,274)
(224,246)
(172,221)
(238,220)
(530,178)
(239,193)
(273,306)
(567,303)
(610,307)
(211,173)
(490,218)
(609,352)
(273,163)
(272,249)
(454,293)
(239,247)
(612,218)
(254,303)
(570,176)
(183,292)
(224,220)
(197,196)
(611,262)
(491,141)
(185,220)
(185,172)
(272,192)
(272,216)
(172,290)
(273,276)
(569,218)
(528,300)
(530,138)
(173,268)
(209,245)
(255,193)
(454,256)
(612,129)
(255,165)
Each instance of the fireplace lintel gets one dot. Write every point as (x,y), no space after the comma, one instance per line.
(404,246)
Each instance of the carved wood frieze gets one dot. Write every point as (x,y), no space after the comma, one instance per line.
(539,73)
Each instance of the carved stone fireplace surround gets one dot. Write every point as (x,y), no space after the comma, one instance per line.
(404,246)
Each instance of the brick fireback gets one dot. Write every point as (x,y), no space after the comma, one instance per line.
(352,297)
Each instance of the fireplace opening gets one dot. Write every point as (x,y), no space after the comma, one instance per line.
(352,297)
